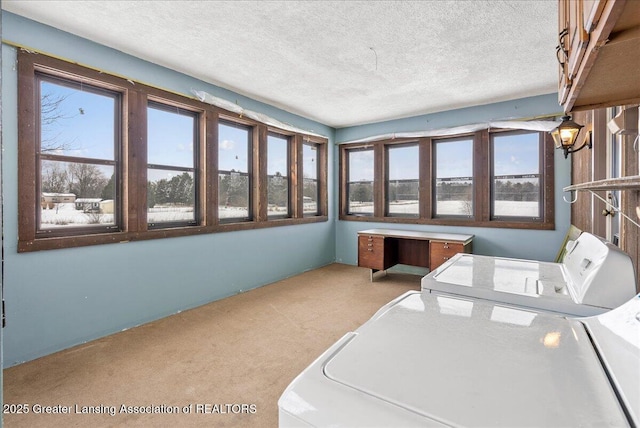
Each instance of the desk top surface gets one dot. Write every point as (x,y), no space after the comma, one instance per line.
(413,234)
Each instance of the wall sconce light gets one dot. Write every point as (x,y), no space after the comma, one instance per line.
(566,134)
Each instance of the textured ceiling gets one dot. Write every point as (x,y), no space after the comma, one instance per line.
(341,63)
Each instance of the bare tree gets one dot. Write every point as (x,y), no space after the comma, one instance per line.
(86,180)
(52,112)
(55,179)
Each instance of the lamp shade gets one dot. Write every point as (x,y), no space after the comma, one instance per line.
(566,134)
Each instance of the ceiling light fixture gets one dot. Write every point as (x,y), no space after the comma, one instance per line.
(566,135)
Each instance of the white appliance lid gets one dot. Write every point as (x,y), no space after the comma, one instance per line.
(474,363)
(525,283)
(502,274)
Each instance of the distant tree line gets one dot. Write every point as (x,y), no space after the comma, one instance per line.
(361,191)
(81,179)
(454,191)
(520,191)
(233,189)
(446,191)
(88,181)
(404,190)
(503,191)
(178,190)
(278,190)
(310,188)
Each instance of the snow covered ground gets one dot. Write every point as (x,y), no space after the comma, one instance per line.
(503,208)
(66,215)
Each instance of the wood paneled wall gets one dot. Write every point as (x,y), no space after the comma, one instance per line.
(588,165)
(581,171)
(630,205)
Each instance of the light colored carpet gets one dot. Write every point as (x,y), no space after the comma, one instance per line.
(243,350)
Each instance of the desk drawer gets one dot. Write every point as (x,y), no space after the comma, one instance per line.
(440,252)
(371,252)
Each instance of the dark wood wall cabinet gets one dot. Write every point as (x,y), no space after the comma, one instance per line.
(380,249)
(599,53)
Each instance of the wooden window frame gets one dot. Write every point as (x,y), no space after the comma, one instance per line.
(481,190)
(133,151)
(541,170)
(475,199)
(344,177)
(251,149)
(167,106)
(292,169)
(387,147)
(321,195)
(116,162)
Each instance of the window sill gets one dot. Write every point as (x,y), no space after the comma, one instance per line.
(454,222)
(272,222)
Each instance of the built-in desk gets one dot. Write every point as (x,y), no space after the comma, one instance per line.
(380,249)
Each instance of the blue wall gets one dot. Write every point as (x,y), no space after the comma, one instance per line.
(519,243)
(59,298)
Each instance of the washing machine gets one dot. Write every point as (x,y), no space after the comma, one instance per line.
(594,277)
(436,360)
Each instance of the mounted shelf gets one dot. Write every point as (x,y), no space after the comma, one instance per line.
(623,183)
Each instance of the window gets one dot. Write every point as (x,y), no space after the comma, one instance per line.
(453,181)
(403,182)
(278,165)
(171,178)
(360,182)
(497,178)
(516,180)
(78,158)
(103,160)
(234,167)
(310,176)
